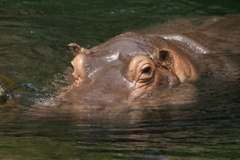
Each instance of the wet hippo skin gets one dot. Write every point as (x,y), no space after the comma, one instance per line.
(132,65)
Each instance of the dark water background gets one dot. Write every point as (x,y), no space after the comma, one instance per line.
(33,39)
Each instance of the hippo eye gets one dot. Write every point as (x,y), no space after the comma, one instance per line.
(141,71)
(147,70)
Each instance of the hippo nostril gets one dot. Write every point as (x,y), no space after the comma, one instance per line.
(73,74)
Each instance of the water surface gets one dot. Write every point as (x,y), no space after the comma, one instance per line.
(202,122)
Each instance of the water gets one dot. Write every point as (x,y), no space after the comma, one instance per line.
(205,124)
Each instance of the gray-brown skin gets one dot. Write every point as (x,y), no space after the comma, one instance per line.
(131,66)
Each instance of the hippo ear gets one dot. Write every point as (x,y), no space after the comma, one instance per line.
(76,49)
(163,57)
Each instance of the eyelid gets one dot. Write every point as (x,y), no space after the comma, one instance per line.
(143,67)
(136,68)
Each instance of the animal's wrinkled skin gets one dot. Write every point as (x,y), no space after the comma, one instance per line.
(131,66)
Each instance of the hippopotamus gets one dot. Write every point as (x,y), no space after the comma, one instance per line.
(132,66)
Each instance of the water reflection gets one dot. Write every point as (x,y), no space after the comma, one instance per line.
(126,130)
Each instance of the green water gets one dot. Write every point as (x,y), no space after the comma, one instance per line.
(40,30)
(34,53)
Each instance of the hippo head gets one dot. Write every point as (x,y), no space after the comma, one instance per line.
(128,66)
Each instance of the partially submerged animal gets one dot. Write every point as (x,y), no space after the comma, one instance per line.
(133,65)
